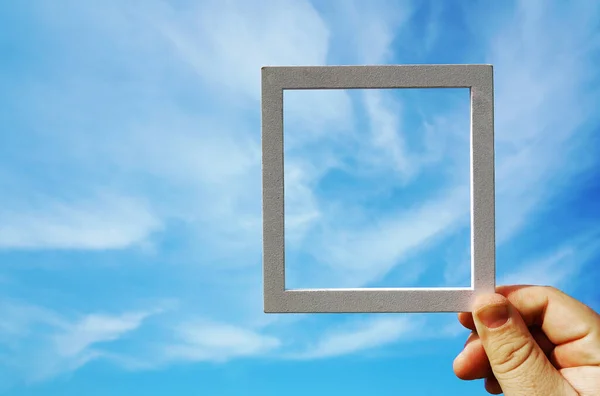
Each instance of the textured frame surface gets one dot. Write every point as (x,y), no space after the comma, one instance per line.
(479,78)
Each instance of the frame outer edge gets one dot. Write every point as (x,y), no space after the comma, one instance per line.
(278,300)
(273,192)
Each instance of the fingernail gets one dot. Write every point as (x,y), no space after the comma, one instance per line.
(493,316)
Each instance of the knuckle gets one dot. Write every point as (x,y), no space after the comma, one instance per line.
(510,356)
(552,290)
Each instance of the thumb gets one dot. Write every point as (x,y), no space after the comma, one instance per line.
(518,363)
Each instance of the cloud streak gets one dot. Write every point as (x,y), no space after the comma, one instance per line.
(39,343)
(104,222)
(368,335)
(218,342)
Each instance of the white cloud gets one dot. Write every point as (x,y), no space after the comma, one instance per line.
(44,344)
(96,328)
(364,33)
(211,341)
(367,335)
(20,318)
(212,156)
(366,252)
(543,62)
(301,208)
(539,110)
(557,268)
(200,164)
(387,133)
(227,43)
(104,222)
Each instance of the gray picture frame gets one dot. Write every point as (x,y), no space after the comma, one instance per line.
(479,79)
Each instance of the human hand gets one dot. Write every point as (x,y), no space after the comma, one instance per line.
(531,340)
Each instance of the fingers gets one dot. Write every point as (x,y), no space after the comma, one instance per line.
(585,380)
(492,386)
(517,361)
(466,319)
(562,318)
(472,363)
(567,323)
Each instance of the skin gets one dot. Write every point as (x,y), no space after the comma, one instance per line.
(549,345)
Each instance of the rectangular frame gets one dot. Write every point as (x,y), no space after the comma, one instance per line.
(479,79)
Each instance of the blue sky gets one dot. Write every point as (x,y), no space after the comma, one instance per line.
(130,205)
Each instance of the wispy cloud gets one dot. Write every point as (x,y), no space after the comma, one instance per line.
(104,222)
(210,341)
(39,343)
(544,61)
(367,335)
(369,251)
(558,267)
